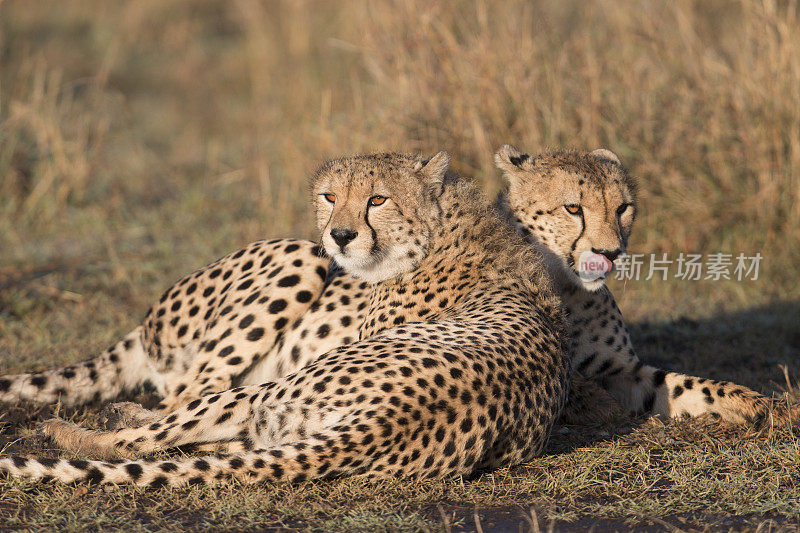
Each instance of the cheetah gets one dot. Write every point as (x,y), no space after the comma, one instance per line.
(567,204)
(268,309)
(473,377)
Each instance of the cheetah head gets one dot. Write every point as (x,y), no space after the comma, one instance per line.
(376,213)
(579,207)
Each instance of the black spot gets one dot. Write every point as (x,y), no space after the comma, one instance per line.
(246,321)
(226,351)
(134,470)
(304,296)
(202,465)
(94,475)
(255,334)
(80,464)
(289,281)
(450,448)
(158,482)
(277,306)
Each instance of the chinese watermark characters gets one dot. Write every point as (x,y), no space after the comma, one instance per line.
(690,267)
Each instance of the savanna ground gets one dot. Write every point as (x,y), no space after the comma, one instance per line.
(140,140)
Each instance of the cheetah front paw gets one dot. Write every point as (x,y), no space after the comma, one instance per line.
(74,438)
(122,415)
(64,434)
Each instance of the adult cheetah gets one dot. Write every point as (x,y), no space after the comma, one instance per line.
(472,377)
(567,204)
(272,307)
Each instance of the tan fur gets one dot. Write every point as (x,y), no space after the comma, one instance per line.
(538,190)
(197,339)
(474,379)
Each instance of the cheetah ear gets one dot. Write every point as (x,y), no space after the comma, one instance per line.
(434,168)
(606,155)
(509,159)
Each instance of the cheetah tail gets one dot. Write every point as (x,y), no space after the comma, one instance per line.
(293,462)
(121,367)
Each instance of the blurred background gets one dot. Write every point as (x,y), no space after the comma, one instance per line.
(140,140)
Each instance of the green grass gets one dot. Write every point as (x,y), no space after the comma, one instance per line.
(141,140)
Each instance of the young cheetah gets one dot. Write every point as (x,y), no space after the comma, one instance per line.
(473,377)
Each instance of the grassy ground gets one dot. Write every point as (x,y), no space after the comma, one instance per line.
(140,140)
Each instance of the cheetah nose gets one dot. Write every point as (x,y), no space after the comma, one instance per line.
(343,236)
(609,254)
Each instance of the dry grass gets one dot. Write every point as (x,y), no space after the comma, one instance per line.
(146,102)
(141,139)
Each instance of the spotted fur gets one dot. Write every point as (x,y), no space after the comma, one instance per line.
(199,338)
(538,191)
(477,384)
(239,318)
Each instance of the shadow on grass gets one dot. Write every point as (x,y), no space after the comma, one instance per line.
(744,346)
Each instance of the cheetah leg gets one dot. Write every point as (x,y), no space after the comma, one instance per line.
(237,414)
(682,395)
(120,368)
(604,354)
(126,415)
(218,417)
(646,390)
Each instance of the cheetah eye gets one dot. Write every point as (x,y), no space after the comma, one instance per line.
(377,200)
(573,209)
(621,209)
(330,197)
